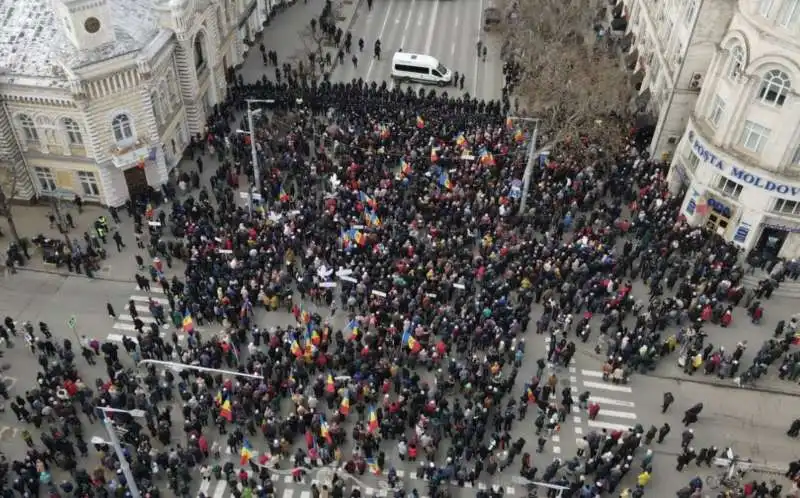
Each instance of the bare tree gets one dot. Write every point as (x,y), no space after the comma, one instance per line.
(9,183)
(316,41)
(572,75)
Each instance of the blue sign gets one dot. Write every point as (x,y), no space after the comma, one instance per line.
(691,206)
(741,174)
(719,207)
(516,189)
(742,231)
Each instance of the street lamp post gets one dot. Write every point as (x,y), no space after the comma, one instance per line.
(123,462)
(253,150)
(526,177)
(181,366)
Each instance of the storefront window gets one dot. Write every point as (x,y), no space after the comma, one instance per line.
(693,162)
(729,187)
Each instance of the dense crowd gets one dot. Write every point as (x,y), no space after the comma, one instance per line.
(400,211)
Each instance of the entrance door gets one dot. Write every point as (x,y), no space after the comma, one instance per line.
(136,179)
(718,223)
(770,242)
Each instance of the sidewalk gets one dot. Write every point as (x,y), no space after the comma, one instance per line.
(283,35)
(770,384)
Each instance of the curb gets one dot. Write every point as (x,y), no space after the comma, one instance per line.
(766,390)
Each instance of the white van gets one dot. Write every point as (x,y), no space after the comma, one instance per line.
(423,68)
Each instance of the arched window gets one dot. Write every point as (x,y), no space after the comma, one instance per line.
(736,63)
(73,132)
(28,128)
(121,124)
(774,88)
(199,53)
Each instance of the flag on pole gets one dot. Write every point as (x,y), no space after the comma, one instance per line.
(531,395)
(297,351)
(372,425)
(519,137)
(444,180)
(373,466)
(246,453)
(282,195)
(330,385)
(413,345)
(188,323)
(324,430)
(225,411)
(344,407)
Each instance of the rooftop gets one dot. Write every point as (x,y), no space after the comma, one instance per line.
(32,43)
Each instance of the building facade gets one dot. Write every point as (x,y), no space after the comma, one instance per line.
(739,157)
(671,44)
(101,97)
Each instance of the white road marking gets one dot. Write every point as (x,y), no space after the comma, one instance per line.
(287,480)
(204,485)
(408,21)
(474,93)
(431,27)
(555,438)
(579,431)
(592,373)
(287,493)
(607,386)
(154,289)
(453,49)
(572,370)
(219,491)
(617,414)
(144,299)
(599,424)
(612,402)
(305,494)
(573,379)
(380,35)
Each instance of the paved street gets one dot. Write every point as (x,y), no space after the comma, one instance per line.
(753,422)
(443,29)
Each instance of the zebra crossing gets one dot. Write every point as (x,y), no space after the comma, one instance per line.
(124,321)
(616,408)
(212,488)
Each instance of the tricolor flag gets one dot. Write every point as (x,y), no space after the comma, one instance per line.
(344,407)
(509,123)
(330,385)
(413,345)
(315,338)
(246,453)
(372,424)
(487,159)
(225,411)
(352,326)
(218,398)
(460,140)
(295,348)
(385,133)
(188,323)
(434,155)
(324,430)
(531,395)
(444,180)
(372,464)
(405,168)
(305,317)
(420,122)
(519,136)
(371,218)
(359,238)
(282,195)
(368,200)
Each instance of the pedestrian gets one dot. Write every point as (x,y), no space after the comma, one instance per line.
(662,432)
(668,400)
(794,429)
(110,310)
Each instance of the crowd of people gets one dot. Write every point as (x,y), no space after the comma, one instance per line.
(401,211)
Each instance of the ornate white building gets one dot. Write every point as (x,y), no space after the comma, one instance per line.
(100,97)
(739,157)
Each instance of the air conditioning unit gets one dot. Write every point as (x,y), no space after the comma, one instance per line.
(673,140)
(696,83)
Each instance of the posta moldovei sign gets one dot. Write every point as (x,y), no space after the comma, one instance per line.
(740,174)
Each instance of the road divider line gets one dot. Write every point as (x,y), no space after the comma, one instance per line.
(611,401)
(380,36)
